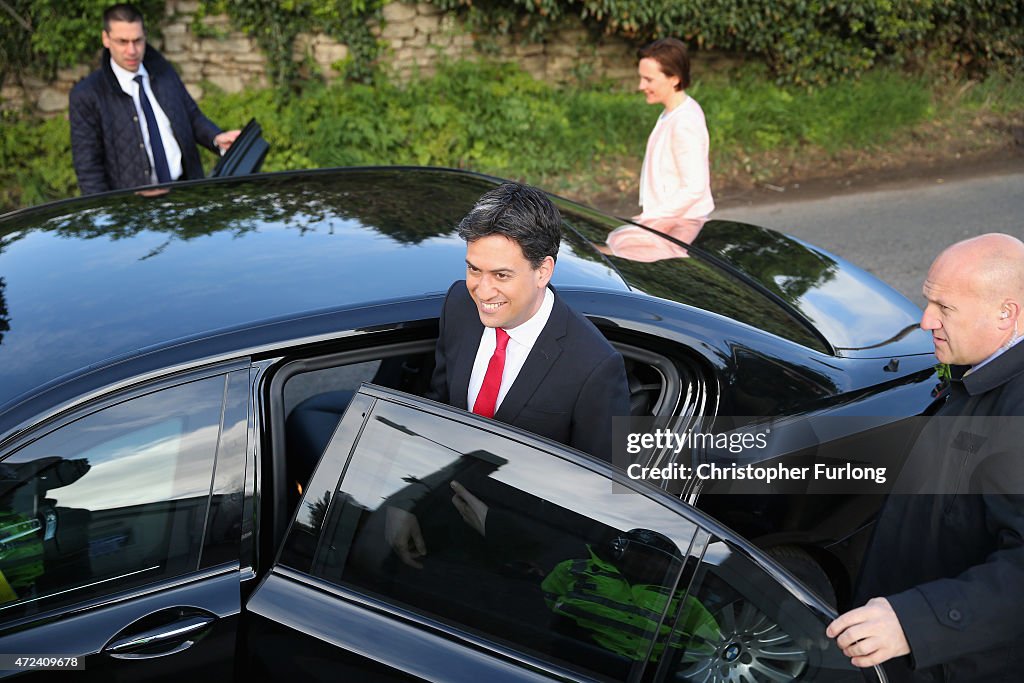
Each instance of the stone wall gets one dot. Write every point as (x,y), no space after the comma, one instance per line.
(418,35)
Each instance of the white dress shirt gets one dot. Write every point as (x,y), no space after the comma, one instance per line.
(126,79)
(520,342)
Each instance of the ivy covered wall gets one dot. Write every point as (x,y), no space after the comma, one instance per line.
(46,45)
(210,47)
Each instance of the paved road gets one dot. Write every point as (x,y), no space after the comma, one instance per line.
(896,233)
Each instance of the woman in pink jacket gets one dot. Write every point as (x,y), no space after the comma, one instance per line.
(675,183)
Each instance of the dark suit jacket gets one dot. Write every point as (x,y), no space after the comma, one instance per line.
(106,136)
(950,558)
(572,384)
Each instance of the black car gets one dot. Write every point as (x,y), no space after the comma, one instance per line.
(211,418)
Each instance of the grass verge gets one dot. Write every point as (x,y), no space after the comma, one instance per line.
(583,142)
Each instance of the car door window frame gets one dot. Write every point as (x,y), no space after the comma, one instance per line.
(279,517)
(333,467)
(105,401)
(688,391)
(331,474)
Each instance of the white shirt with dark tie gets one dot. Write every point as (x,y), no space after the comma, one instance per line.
(126,79)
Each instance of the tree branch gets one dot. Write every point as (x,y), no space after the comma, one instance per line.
(17,17)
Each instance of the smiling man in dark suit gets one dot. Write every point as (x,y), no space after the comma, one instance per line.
(509,347)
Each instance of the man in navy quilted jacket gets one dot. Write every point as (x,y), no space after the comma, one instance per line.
(132,121)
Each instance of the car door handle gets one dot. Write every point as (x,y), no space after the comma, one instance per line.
(175,636)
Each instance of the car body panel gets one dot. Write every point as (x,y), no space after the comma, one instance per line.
(89,630)
(854,310)
(328,631)
(734,269)
(119,278)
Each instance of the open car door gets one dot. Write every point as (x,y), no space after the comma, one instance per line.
(578,574)
(246,154)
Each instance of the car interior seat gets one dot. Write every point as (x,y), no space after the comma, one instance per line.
(308,430)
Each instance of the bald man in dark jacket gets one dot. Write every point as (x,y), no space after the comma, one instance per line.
(944,575)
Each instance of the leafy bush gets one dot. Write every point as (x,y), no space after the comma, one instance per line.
(485,116)
(802,41)
(35,161)
(40,36)
(750,114)
(496,119)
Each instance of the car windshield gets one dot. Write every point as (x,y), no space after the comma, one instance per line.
(659,267)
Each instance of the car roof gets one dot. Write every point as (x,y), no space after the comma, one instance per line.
(101,277)
(90,281)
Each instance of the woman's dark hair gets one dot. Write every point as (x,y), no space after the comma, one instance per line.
(521,213)
(671,56)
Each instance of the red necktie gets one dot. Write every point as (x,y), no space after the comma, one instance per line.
(487,399)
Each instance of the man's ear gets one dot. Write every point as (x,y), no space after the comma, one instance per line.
(106,39)
(544,271)
(1009,314)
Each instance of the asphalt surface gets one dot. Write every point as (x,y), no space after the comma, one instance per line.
(895,233)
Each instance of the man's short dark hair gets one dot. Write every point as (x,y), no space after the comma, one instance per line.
(122,12)
(671,56)
(521,213)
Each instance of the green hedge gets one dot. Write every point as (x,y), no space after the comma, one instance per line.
(35,161)
(40,36)
(802,41)
(485,116)
(496,119)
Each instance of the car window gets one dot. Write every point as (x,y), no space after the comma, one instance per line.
(317,391)
(303,386)
(111,500)
(757,630)
(694,282)
(547,559)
